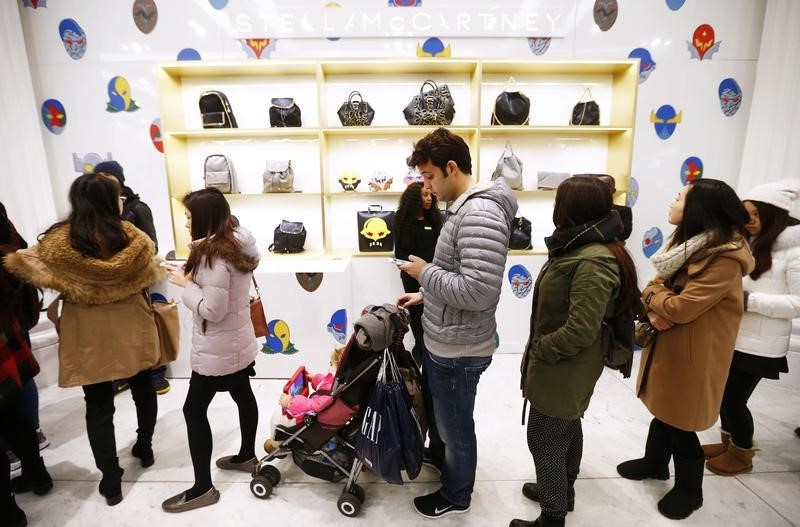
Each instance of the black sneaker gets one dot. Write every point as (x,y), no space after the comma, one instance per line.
(435,506)
(429,460)
(119,386)
(160,384)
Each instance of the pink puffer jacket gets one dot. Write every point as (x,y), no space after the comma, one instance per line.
(301,405)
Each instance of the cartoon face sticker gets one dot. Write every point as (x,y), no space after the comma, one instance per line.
(349,180)
(155,135)
(652,241)
(309,281)
(730,96)
(278,339)
(521,280)
(85,164)
(257,48)
(665,120)
(691,169)
(633,193)
(675,4)
(703,44)
(73,37)
(338,326)
(189,54)
(605,13)
(539,45)
(145,15)
(646,63)
(433,47)
(54,116)
(119,95)
(375,229)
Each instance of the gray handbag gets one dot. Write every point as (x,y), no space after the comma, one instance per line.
(509,167)
(218,173)
(278,176)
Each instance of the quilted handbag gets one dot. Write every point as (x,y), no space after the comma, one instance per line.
(434,107)
(289,237)
(284,112)
(509,168)
(355,112)
(375,227)
(586,112)
(520,234)
(278,177)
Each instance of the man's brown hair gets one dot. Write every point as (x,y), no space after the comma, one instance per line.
(439,147)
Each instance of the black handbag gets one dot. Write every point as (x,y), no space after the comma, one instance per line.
(289,237)
(511,108)
(586,112)
(216,110)
(434,107)
(520,234)
(375,229)
(355,113)
(283,112)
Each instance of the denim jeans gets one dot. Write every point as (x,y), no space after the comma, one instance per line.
(452,385)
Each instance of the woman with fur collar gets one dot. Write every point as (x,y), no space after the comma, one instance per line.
(696,303)
(216,279)
(771,301)
(100,265)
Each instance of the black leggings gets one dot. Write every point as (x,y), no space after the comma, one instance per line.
(202,389)
(736,417)
(679,442)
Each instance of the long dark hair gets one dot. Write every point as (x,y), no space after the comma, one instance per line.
(584,199)
(773,222)
(95,225)
(409,208)
(711,207)
(213,224)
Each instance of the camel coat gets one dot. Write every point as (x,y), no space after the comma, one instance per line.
(106,329)
(683,374)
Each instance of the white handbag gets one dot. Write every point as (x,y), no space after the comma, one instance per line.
(278,177)
(509,167)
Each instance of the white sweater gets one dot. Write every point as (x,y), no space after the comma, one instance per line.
(774,300)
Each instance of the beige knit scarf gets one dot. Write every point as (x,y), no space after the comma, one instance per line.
(668,261)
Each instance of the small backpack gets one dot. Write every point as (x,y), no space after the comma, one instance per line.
(289,237)
(617,342)
(219,173)
(216,110)
(278,177)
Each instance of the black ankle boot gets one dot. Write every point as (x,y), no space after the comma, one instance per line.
(34,478)
(110,486)
(144,453)
(655,463)
(687,494)
(541,521)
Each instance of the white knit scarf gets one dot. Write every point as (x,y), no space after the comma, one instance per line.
(668,261)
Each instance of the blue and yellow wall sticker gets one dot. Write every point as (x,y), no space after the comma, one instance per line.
(691,169)
(433,47)
(119,95)
(652,241)
(257,48)
(73,37)
(54,116)
(85,164)
(539,45)
(730,96)
(633,192)
(646,63)
(521,280)
(703,44)
(278,339)
(605,13)
(665,120)
(309,281)
(188,54)
(338,326)
(675,4)
(145,15)
(155,134)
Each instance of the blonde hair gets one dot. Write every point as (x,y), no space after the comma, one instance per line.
(336,356)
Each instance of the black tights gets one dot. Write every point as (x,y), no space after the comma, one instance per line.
(736,417)
(202,389)
(679,442)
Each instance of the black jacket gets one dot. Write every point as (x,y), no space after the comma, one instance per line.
(137,212)
(626,215)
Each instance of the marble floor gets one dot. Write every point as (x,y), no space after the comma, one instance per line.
(614,427)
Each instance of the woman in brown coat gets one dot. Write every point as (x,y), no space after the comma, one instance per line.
(696,303)
(100,265)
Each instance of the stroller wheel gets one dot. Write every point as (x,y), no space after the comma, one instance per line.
(349,505)
(358,491)
(271,473)
(261,487)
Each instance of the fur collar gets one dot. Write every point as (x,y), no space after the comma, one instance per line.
(54,264)
(788,239)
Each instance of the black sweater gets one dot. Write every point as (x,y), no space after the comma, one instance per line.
(422,243)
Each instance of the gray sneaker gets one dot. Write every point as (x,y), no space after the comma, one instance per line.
(13,460)
(42,439)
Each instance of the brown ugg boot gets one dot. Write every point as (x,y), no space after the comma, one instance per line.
(717,449)
(733,461)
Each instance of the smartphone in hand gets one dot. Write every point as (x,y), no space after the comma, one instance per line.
(398,261)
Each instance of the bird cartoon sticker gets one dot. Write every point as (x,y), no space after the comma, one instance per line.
(278,339)
(665,120)
(633,193)
(189,54)
(155,134)
(521,280)
(646,63)
(703,44)
(605,13)
(145,15)
(337,327)
(730,96)
(257,48)
(691,169)
(85,164)
(433,47)
(539,45)
(54,116)
(309,281)
(74,38)
(652,241)
(119,95)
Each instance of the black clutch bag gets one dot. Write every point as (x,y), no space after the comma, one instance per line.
(283,112)
(355,112)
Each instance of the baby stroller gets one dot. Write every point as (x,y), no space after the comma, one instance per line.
(323,445)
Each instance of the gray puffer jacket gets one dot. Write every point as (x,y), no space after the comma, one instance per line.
(220,296)
(461,287)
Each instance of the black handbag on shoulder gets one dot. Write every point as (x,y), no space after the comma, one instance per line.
(289,237)
(216,110)
(355,112)
(284,112)
(521,231)
(586,112)
(511,107)
(434,107)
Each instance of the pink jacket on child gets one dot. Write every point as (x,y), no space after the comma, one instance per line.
(301,405)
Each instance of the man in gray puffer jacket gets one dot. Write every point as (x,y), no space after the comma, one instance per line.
(461,289)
